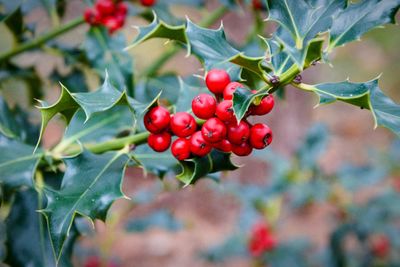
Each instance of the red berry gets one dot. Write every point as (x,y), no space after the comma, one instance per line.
(224,111)
(230,89)
(92,261)
(238,133)
(112,24)
(157,119)
(217,80)
(380,246)
(183,124)
(224,146)
(121,9)
(148,2)
(244,149)
(159,142)
(181,148)
(92,16)
(105,7)
(199,146)
(265,106)
(203,106)
(260,136)
(261,240)
(213,130)
(257,4)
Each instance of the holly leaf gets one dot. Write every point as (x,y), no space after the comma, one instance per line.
(242,99)
(365,95)
(302,21)
(105,98)
(17,163)
(196,168)
(90,185)
(210,46)
(359,18)
(107,52)
(25,245)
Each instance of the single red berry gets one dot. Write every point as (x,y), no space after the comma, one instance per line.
(199,146)
(230,89)
(181,148)
(92,16)
(112,24)
(121,9)
(203,106)
(380,246)
(257,4)
(224,146)
(260,136)
(159,142)
(265,106)
(148,2)
(261,240)
(157,119)
(244,149)
(217,80)
(183,124)
(225,112)
(105,7)
(238,133)
(213,130)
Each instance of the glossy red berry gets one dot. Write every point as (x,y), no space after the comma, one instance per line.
(121,9)
(238,133)
(105,7)
(224,146)
(92,16)
(183,124)
(148,2)
(112,24)
(260,136)
(157,119)
(203,106)
(224,111)
(159,142)
(217,80)
(265,106)
(199,146)
(230,89)
(244,149)
(213,130)
(180,148)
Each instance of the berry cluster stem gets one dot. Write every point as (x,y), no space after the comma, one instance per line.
(42,39)
(206,22)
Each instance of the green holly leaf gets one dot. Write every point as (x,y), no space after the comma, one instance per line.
(302,21)
(210,46)
(196,168)
(107,52)
(105,98)
(25,245)
(17,163)
(242,99)
(361,17)
(365,95)
(90,185)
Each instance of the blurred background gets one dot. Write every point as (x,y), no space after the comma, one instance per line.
(328,187)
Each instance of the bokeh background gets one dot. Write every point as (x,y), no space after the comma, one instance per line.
(331,159)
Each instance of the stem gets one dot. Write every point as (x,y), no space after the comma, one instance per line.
(39,189)
(287,77)
(158,63)
(42,39)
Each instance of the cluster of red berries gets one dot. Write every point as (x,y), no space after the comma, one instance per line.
(148,2)
(221,130)
(261,240)
(109,13)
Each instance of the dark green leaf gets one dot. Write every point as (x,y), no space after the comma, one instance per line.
(364,95)
(90,185)
(26,246)
(17,163)
(242,99)
(154,162)
(361,17)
